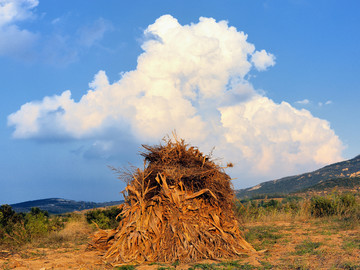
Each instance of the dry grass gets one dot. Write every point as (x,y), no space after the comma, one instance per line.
(77,229)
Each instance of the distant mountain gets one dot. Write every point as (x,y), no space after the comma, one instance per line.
(336,172)
(60,206)
(347,183)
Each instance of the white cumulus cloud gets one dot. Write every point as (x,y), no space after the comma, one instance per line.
(262,60)
(192,79)
(272,135)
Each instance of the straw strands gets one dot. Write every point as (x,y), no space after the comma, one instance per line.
(178,208)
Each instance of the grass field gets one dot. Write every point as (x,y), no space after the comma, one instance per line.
(288,233)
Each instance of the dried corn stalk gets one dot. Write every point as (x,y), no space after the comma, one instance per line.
(178,208)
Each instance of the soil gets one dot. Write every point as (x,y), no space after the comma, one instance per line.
(73,257)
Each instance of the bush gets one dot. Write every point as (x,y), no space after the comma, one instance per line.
(322,206)
(20,228)
(346,202)
(11,224)
(37,222)
(104,218)
(8,216)
(254,209)
(344,205)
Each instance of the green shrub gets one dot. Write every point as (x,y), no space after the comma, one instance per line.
(11,225)
(20,228)
(37,222)
(105,219)
(345,206)
(272,204)
(347,200)
(254,209)
(8,216)
(322,206)
(57,223)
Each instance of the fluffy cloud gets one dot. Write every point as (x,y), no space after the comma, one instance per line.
(262,60)
(13,40)
(274,135)
(190,78)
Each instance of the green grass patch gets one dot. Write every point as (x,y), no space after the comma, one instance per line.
(350,244)
(204,266)
(307,247)
(230,265)
(125,267)
(263,237)
(325,232)
(348,266)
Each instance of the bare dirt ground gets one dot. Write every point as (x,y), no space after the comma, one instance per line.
(71,257)
(307,244)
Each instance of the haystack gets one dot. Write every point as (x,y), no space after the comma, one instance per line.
(178,208)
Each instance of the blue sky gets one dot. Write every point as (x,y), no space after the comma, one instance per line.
(272,85)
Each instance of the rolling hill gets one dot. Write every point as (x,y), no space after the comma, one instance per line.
(59,206)
(331,175)
(347,183)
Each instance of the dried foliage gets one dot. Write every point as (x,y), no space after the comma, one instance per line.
(178,208)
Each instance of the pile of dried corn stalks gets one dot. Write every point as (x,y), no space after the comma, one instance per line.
(179,207)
